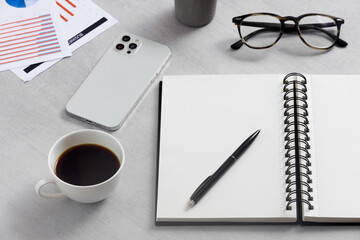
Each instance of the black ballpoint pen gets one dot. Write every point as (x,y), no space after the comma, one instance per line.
(212,179)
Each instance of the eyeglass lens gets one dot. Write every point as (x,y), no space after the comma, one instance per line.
(318,31)
(256,33)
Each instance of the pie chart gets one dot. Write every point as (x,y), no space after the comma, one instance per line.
(21,3)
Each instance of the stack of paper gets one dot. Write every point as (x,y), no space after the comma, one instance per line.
(35,34)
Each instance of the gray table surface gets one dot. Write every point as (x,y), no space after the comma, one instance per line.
(32,118)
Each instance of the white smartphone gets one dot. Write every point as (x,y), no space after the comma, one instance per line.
(118,81)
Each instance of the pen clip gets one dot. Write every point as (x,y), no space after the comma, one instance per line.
(201,185)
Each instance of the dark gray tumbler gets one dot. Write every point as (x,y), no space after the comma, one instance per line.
(195,13)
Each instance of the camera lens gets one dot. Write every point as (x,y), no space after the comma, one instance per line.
(120,46)
(126,38)
(132,45)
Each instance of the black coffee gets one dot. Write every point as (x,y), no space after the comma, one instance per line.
(86,164)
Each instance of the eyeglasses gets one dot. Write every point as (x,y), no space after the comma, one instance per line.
(263,30)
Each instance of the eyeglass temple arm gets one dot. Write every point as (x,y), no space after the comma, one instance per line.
(287,28)
(291,28)
(239,43)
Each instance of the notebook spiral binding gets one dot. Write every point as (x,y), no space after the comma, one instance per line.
(297,137)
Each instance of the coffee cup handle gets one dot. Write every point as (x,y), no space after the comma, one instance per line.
(42,183)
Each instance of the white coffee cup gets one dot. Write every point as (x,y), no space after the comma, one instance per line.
(83,194)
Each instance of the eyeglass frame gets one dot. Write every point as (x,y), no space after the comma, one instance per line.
(286,28)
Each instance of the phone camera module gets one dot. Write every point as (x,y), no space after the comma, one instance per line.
(132,45)
(126,38)
(120,46)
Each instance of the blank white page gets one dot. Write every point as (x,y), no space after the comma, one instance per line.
(203,120)
(336,129)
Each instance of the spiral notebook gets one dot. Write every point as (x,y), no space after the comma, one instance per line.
(303,167)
